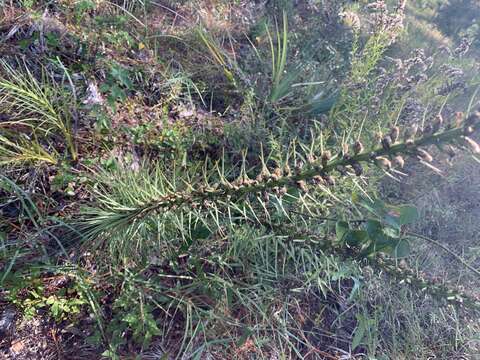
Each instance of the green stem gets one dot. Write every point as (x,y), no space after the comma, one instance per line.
(446,249)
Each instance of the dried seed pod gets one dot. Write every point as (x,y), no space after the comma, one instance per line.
(386,142)
(378,137)
(473,119)
(383,162)
(398,161)
(318,180)
(266,196)
(437,123)
(425,156)
(329,180)
(345,149)
(282,191)
(298,167)
(458,118)
(264,174)
(277,174)
(394,133)
(357,147)
(248,182)
(286,170)
(311,158)
(472,145)
(410,132)
(427,130)
(326,156)
(357,168)
(302,185)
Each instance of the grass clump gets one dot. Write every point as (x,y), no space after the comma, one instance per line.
(30,107)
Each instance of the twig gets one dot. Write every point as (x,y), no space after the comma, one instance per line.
(446,249)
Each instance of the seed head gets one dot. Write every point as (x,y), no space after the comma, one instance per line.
(383,162)
(298,167)
(329,180)
(410,132)
(428,130)
(266,196)
(357,168)
(437,123)
(472,145)
(398,161)
(394,133)
(425,156)
(277,173)
(458,118)
(473,119)
(326,156)
(302,185)
(249,182)
(311,158)
(386,142)
(264,174)
(357,147)
(318,180)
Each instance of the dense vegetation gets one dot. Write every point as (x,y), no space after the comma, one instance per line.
(237,179)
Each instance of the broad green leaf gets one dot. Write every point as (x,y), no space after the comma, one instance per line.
(408,215)
(374,228)
(359,332)
(402,249)
(356,237)
(379,207)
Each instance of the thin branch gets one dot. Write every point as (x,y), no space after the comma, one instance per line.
(446,249)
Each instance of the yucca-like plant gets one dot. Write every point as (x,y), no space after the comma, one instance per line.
(218,239)
(130,205)
(31,107)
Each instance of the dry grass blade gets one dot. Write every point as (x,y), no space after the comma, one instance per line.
(30,105)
